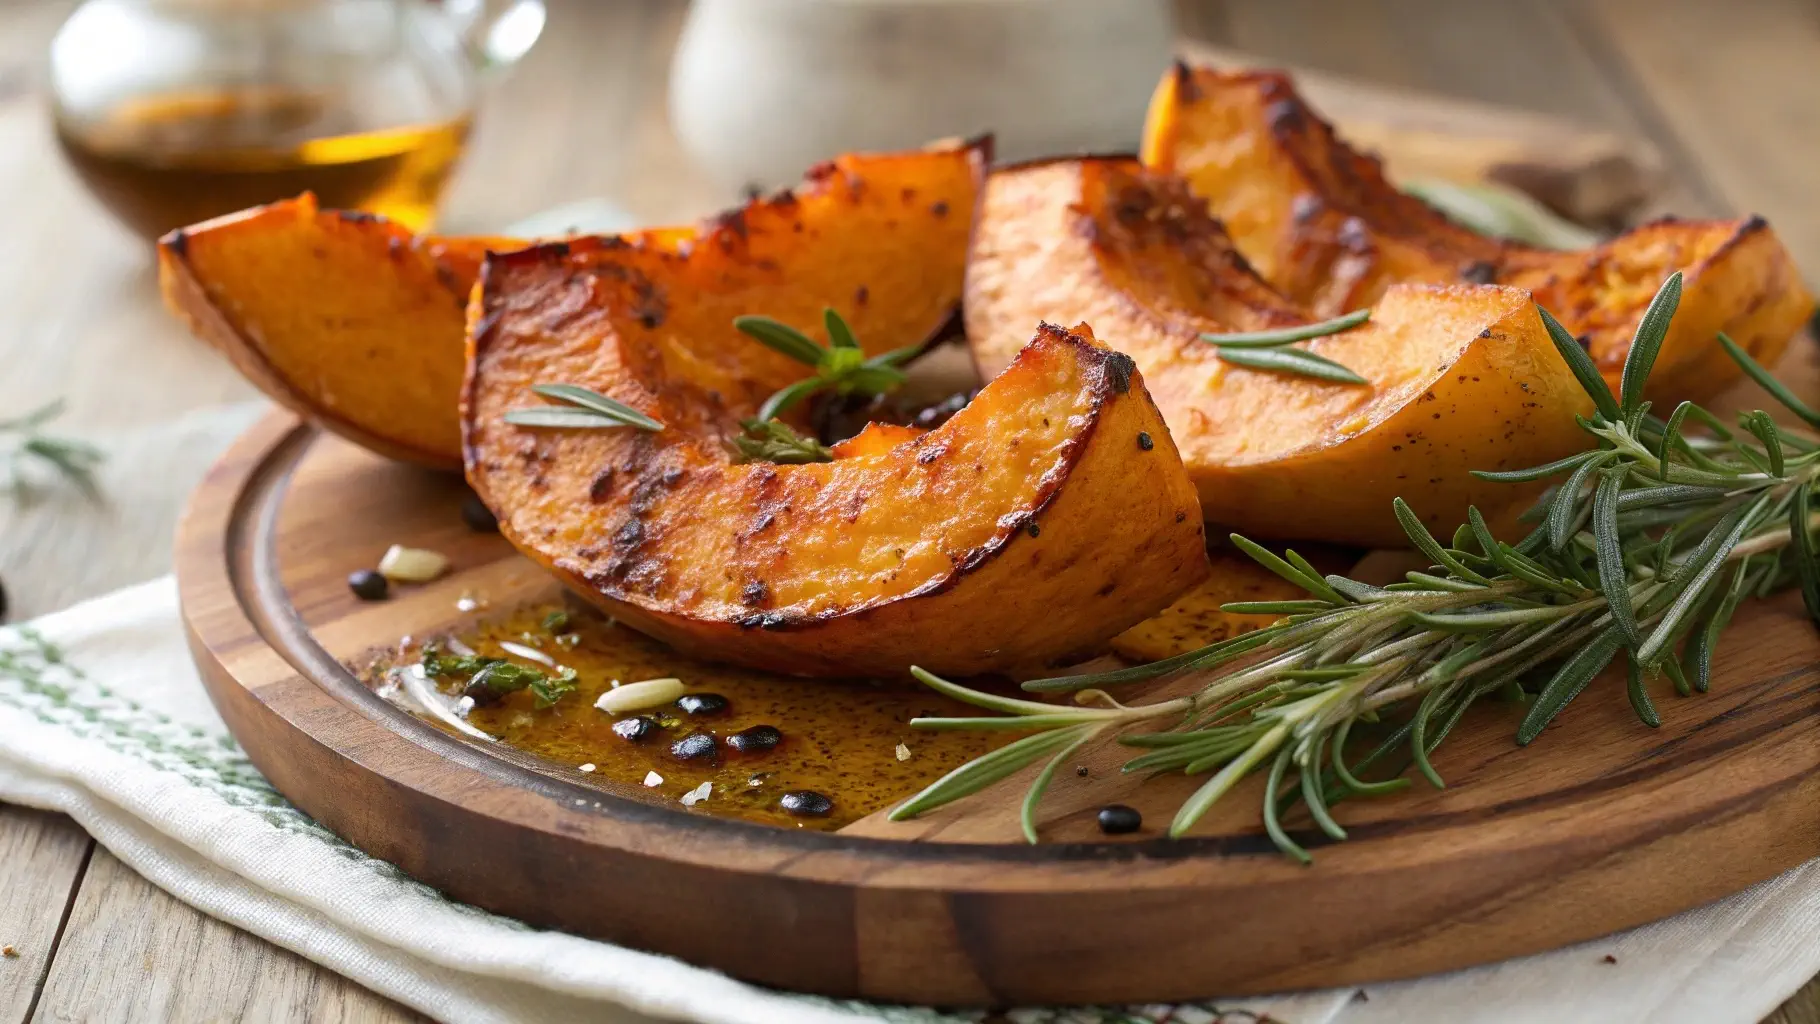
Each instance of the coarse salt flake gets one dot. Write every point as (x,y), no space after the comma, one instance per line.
(698,794)
(587,767)
(653,779)
(903,752)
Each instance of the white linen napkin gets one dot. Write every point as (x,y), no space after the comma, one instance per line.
(103,717)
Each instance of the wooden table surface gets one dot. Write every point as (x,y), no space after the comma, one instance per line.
(1726,91)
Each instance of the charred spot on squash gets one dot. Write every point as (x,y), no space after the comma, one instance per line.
(1119,368)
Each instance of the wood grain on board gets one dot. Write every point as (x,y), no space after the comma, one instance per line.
(584,116)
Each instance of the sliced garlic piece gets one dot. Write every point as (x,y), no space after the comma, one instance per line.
(411,565)
(639,696)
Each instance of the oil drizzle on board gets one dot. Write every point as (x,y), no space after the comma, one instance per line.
(848,740)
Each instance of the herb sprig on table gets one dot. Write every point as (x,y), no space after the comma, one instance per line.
(75,461)
(1645,549)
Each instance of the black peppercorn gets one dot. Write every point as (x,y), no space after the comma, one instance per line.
(695,746)
(1144,441)
(367,585)
(806,803)
(635,730)
(755,740)
(477,515)
(1117,819)
(702,703)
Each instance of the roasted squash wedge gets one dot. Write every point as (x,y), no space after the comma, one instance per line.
(1462,377)
(350,321)
(1319,221)
(1047,515)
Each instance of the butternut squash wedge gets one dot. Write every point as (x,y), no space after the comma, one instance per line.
(353,322)
(1320,222)
(1462,377)
(1046,516)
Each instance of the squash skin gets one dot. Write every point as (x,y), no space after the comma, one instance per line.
(346,319)
(1029,528)
(1463,377)
(354,323)
(1318,220)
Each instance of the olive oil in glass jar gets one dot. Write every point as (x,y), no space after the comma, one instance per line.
(175,111)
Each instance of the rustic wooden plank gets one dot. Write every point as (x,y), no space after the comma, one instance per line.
(41,860)
(184,965)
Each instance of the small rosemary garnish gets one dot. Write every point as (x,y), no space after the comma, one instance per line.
(1647,549)
(74,460)
(497,675)
(1268,350)
(841,367)
(776,441)
(580,408)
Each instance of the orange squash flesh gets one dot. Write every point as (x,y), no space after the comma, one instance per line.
(1320,222)
(1030,527)
(353,322)
(1462,378)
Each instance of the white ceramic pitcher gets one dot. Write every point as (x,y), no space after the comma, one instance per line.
(761,89)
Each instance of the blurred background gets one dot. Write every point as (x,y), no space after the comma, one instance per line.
(121,118)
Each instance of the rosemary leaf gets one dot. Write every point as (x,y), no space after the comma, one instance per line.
(1426,543)
(1582,366)
(587,410)
(1639,695)
(1614,577)
(1307,579)
(1760,424)
(781,338)
(1027,811)
(1290,360)
(1272,825)
(1285,335)
(1566,684)
(1708,560)
(839,334)
(1560,520)
(983,771)
(1647,341)
(1517,476)
(1768,381)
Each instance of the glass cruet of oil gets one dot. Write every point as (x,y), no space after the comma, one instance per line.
(175,111)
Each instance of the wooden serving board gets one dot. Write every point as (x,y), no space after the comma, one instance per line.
(1600,825)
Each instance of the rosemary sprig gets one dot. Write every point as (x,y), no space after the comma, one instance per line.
(579,408)
(1647,548)
(75,461)
(1268,350)
(776,441)
(841,367)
